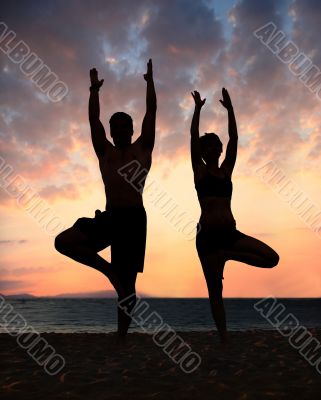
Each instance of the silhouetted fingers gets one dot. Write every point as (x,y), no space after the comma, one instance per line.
(197,95)
(93,73)
(225,93)
(194,94)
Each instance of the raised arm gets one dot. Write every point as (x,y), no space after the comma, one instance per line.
(98,134)
(195,145)
(231,149)
(147,137)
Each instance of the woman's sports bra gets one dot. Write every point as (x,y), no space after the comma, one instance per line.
(210,185)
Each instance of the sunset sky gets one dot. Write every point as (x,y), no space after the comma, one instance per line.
(203,45)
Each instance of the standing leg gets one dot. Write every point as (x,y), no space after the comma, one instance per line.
(127,255)
(213,266)
(128,281)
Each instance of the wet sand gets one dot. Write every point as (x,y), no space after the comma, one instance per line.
(256,365)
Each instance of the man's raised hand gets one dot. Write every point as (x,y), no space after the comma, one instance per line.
(197,98)
(95,82)
(149,74)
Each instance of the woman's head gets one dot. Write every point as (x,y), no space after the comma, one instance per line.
(211,147)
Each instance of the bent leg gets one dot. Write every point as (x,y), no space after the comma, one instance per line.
(75,245)
(252,251)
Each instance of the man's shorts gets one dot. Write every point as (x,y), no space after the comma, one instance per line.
(122,228)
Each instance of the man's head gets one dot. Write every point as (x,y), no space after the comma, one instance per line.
(121,128)
(211,147)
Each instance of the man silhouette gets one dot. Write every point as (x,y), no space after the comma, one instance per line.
(123,223)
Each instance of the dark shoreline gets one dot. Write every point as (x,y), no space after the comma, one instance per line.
(257,365)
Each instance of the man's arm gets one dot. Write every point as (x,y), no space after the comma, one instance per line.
(147,137)
(98,134)
(195,144)
(231,149)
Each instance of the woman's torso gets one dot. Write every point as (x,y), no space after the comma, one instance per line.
(214,189)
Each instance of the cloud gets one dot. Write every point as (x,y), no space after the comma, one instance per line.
(51,192)
(49,144)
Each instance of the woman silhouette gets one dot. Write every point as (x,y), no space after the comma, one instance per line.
(217,239)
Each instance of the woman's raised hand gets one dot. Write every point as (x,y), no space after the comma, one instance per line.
(226,102)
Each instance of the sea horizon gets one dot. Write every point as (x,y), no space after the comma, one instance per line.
(99,315)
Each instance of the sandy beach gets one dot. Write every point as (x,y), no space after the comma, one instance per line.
(256,365)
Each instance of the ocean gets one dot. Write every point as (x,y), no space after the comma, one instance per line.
(67,315)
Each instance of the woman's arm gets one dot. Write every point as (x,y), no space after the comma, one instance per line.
(231,149)
(195,145)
